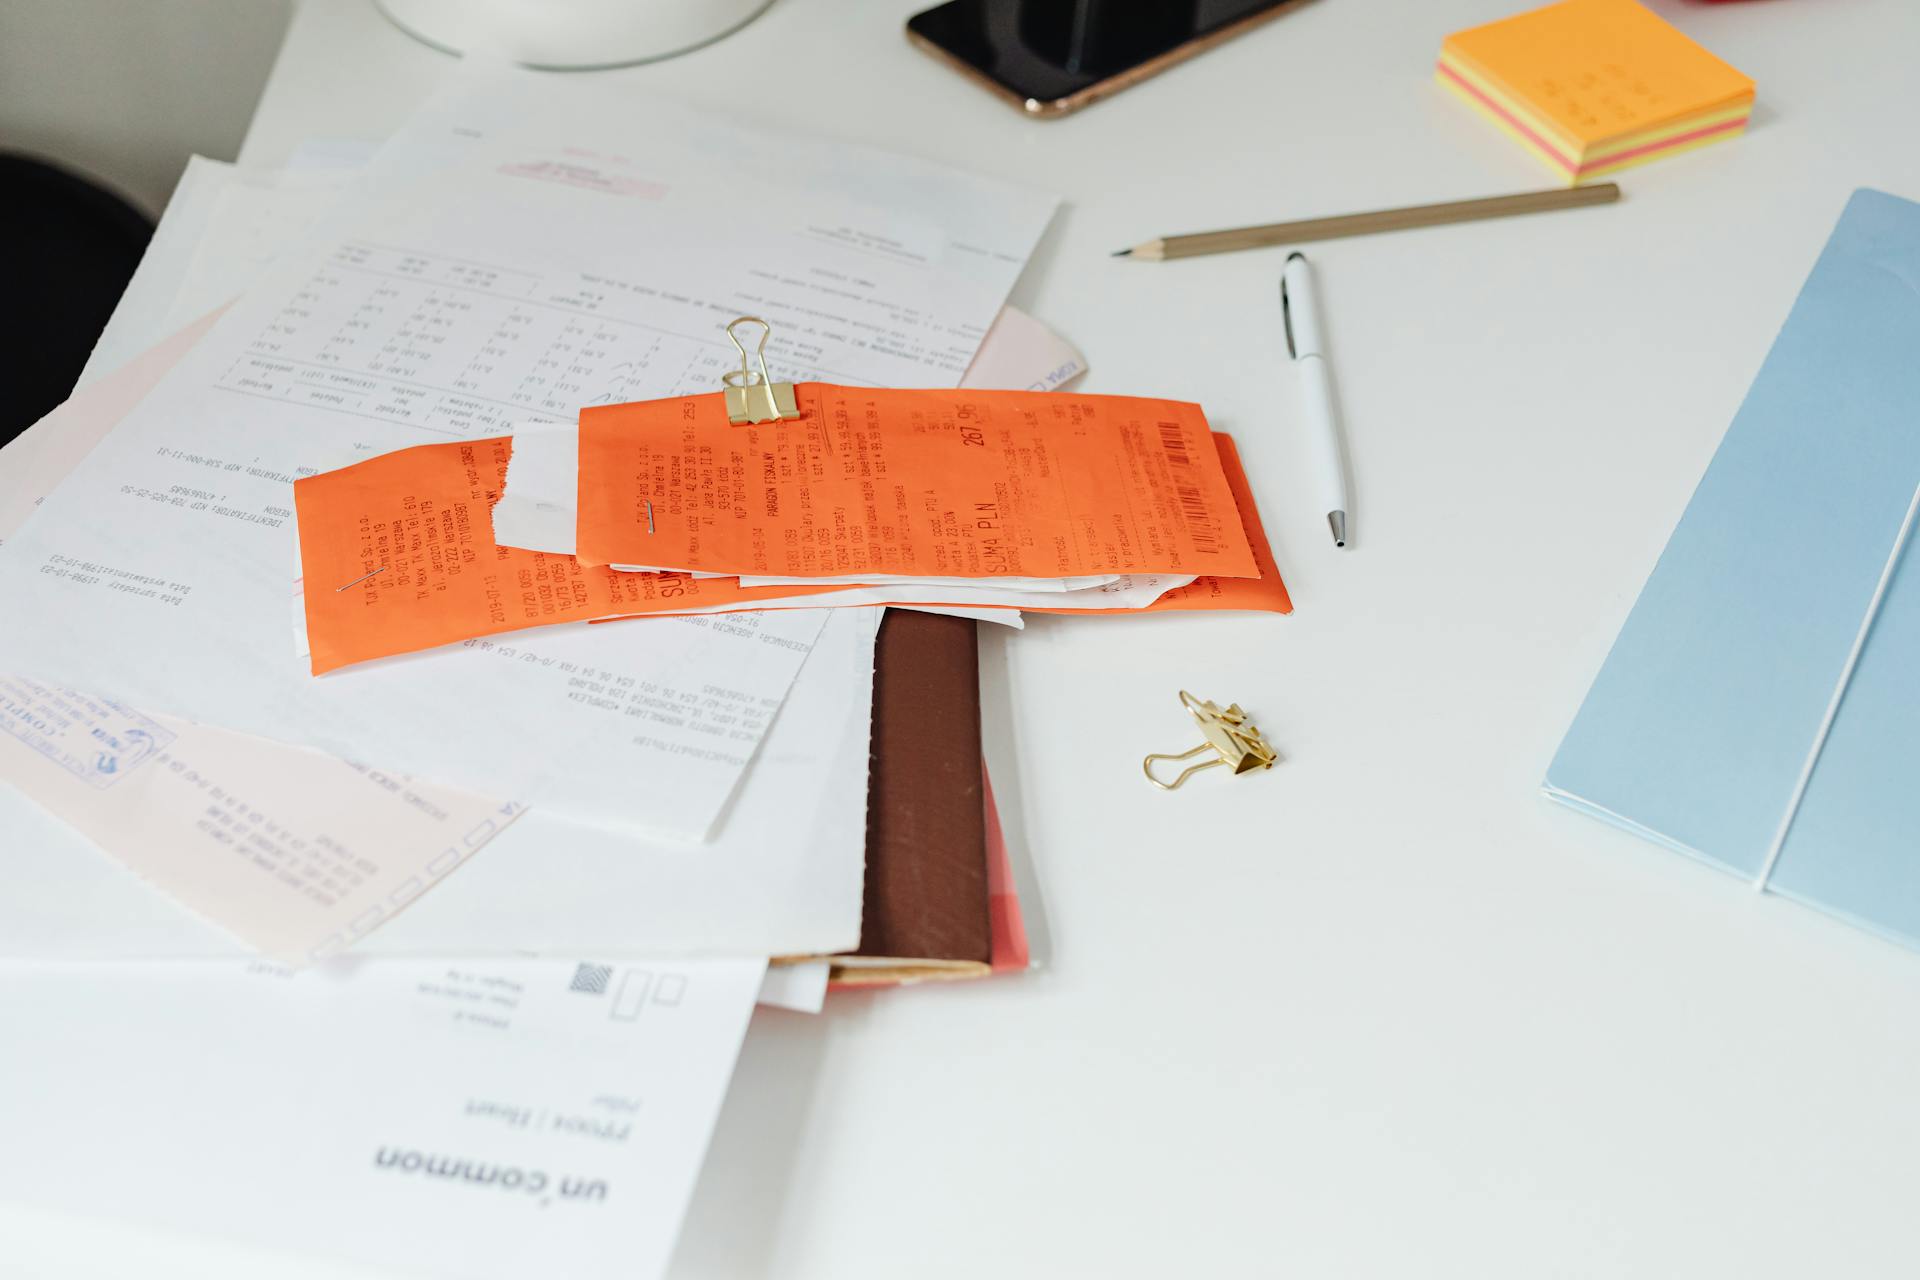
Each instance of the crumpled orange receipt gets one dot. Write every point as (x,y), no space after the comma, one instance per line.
(397,555)
(947,484)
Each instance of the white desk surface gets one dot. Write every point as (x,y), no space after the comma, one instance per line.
(1384,1011)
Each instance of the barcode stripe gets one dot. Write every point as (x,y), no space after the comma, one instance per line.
(1174,441)
(1199,522)
(1193,504)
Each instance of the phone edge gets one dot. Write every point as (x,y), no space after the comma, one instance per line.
(1054,108)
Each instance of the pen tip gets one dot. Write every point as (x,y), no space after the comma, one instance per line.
(1122,253)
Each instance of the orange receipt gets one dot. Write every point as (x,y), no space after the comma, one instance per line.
(948,484)
(397,555)
(1265,594)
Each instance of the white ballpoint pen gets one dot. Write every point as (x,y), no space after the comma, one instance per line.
(1300,314)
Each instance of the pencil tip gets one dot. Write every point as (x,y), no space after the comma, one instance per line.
(1122,253)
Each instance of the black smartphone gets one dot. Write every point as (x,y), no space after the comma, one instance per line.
(1049,57)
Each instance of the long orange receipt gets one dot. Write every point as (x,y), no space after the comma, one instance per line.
(973,484)
(1265,594)
(397,555)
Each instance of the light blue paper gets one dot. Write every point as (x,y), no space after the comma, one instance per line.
(1854,847)
(1702,717)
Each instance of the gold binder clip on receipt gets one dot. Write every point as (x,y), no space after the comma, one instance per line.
(753,395)
(1235,741)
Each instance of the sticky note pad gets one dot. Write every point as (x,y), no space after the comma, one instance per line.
(1594,86)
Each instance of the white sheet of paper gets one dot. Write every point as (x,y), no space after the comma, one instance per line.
(222,227)
(1009,618)
(608,253)
(649,728)
(1028,586)
(39,458)
(294,852)
(474,1120)
(801,987)
(539,506)
(244,219)
(790,897)
(871,267)
(139,319)
(253,217)
(48,1244)
(1127,591)
(414,713)
(70,903)
(782,875)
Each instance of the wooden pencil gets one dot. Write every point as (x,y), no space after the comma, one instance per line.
(1360,224)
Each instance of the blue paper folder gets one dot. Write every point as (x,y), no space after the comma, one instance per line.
(1698,726)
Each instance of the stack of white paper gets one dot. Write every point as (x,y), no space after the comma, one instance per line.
(492,264)
(181,794)
(605,265)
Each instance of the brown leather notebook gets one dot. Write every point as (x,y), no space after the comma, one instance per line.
(926,912)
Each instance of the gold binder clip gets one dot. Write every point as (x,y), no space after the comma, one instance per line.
(753,396)
(1235,741)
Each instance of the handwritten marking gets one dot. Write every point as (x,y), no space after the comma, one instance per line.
(357,581)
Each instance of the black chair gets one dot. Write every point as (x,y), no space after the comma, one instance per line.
(67,250)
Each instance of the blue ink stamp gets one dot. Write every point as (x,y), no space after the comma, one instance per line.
(97,741)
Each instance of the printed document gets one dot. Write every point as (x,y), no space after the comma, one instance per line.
(781,876)
(469,1120)
(295,852)
(543,259)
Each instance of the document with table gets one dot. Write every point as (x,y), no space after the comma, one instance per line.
(799,908)
(391,334)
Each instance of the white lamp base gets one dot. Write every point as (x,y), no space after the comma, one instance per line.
(571,35)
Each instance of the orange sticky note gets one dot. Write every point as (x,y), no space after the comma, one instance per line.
(1593,86)
(973,484)
(397,555)
(1265,594)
